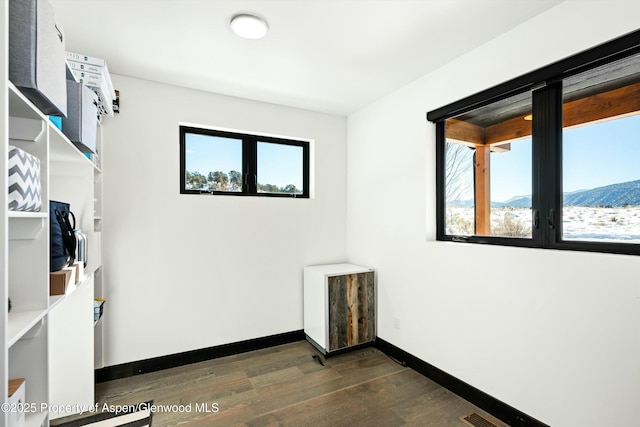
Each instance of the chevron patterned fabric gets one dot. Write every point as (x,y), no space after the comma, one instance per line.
(24,181)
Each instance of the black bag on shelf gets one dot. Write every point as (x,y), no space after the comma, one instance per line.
(62,240)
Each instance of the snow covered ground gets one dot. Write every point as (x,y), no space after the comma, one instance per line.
(579,223)
(611,224)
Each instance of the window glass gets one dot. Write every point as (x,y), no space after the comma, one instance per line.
(213,163)
(488,170)
(511,181)
(460,203)
(279,168)
(600,154)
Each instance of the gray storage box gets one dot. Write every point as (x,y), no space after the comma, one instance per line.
(82,117)
(37,55)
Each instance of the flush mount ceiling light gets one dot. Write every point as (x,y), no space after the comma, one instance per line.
(249,26)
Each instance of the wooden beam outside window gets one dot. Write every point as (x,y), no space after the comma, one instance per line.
(483,190)
(613,104)
(464,132)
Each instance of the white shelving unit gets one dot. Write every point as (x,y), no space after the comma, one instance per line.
(25,237)
(48,340)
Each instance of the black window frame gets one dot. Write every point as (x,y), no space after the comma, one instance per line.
(249,161)
(545,85)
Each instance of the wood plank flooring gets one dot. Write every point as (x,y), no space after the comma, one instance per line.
(285,386)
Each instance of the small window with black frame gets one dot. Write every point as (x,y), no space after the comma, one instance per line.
(231,163)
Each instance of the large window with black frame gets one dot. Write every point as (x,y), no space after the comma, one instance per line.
(549,159)
(232,163)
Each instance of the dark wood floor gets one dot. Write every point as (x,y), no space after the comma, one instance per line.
(285,386)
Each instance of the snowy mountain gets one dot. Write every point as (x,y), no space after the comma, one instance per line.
(614,195)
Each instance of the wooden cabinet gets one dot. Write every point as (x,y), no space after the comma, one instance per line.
(339,306)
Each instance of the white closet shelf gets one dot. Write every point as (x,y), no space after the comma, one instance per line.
(62,150)
(20,214)
(21,322)
(26,225)
(71,288)
(20,106)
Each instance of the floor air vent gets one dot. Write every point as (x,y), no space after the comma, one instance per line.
(476,420)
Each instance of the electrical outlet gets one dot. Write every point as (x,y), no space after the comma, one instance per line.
(397,322)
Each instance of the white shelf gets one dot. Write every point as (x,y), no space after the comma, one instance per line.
(32,215)
(62,150)
(21,322)
(55,300)
(23,129)
(26,225)
(20,106)
(74,286)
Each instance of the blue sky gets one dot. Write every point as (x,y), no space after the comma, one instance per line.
(206,154)
(593,156)
(277,163)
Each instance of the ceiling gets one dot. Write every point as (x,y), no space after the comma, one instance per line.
(333,56)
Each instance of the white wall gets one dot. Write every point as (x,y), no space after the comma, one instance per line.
(185,272)
(555,334)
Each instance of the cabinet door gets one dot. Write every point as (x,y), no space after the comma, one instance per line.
(71,371)
(351,310)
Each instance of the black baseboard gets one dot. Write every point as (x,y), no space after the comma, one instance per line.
(179,359)
(493,406)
